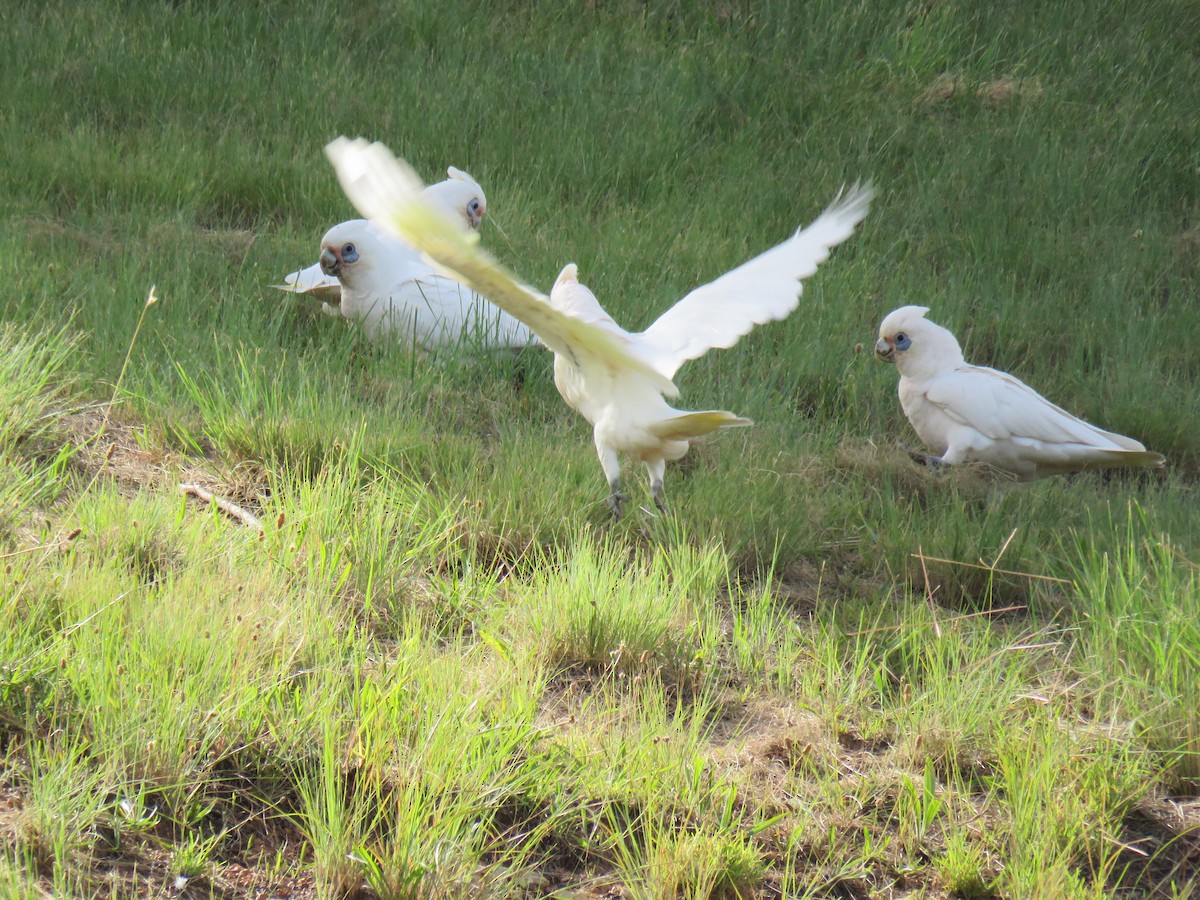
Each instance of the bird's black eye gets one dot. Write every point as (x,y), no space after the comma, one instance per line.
(349,248)
(473,207)
(902,340)
(349,253)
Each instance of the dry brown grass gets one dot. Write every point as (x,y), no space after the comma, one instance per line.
(118,452)
(996,92)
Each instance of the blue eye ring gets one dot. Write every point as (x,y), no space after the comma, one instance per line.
(902,341)
(349,253)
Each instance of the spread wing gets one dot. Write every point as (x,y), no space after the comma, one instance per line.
(313,283)
(388,191)
(764,289)
(1002,407)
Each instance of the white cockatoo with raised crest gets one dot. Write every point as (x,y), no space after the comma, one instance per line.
(615,379)
(966,413)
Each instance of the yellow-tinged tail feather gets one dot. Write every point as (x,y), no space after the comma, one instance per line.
(695,424)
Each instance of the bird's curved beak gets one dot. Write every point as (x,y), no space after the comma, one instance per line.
(476,219)
(885,350)
(330,264)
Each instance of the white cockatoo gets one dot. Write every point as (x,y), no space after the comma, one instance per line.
(460,195)
(966,413)
(368,276)
(614,379)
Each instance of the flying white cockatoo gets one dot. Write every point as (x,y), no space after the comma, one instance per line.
(966,413)
(614,379)
(384,284)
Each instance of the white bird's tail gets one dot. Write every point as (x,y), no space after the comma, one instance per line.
(1145,458)
(687,426)
(1103,459)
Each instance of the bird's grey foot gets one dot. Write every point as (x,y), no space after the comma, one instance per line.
(925,459)
(615,499)
(656,491)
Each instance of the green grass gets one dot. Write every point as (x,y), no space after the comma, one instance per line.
(438,670)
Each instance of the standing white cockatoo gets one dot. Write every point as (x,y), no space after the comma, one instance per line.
(614,379)
(966,413)
(386,286)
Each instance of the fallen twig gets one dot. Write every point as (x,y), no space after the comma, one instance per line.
(937,630)
(987,568)
(951,621)
(226,506)
(1043,646)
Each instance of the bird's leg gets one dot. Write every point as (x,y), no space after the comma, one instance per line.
(657,468)
(612,473)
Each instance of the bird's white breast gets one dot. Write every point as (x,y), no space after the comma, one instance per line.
(587,396)
(931,423)
(622,406)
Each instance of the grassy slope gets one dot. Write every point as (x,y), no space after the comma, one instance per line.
(1038,184)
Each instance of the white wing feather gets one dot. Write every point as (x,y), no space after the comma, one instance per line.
(313,283)
(388,191)
(767,288)
(1002,407)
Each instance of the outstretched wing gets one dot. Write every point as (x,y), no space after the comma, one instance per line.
(764,289)
(313,283)
(388,191)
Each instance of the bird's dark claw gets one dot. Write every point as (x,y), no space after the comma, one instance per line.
(615,499)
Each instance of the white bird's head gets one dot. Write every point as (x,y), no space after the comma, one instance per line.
(351,250)
(461,196)
(917,346)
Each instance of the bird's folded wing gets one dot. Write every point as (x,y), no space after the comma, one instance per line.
(388,191)
(314,283)
(1003,407)
(762,290)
